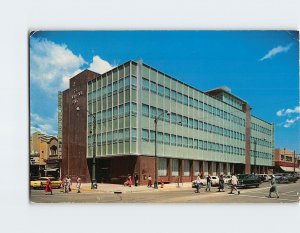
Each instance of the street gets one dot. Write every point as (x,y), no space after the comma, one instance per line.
(289,193)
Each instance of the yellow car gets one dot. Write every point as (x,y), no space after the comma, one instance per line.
(41,183)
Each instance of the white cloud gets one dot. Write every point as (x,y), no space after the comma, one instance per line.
(290,113)
(275,51)
(99,65)
(290,122)
(287,112)
(52,64)
(43,125)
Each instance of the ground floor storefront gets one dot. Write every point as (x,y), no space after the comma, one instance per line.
(169,170)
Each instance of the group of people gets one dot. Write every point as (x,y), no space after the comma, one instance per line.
(65,185)
(221,187)
(129,181)
(233,185)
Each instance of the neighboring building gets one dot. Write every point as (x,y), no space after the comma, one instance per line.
(43,153)
(285,160)
(205,132)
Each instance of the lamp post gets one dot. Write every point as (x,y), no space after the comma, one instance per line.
(94,181)
(155,148)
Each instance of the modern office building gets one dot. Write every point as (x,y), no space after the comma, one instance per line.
(197,132)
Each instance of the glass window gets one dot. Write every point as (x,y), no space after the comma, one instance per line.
(109,114)
(185,141)
(127,82)
(126,134)
(167,92)
(200,105)
(162,167)
(145,110)
(166,138)
(191,101)
(152,112)
(185,99)
(173,95)
(191,123)
(145,135)
(152,136)
(175,167)
(153,87)
(115,112)
(195,144)
(115,136)
(133,108)
(184,121)
(173,118)
(103,138)
(179,140)
(186,171)
(160,137)
(109,137)
(200,144)
(195,124)
(145,84)
(179,97)
(133,134)
(127,109)
(121,110)
(160,90)
(133,81)
(179,119)
(115,87)
(190,142)
(109,90)
(200,125)
(173,140)
(196,103)
(120,135)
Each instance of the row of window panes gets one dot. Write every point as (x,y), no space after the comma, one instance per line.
(173,140)
(260,154)
(122,110)
(261,142)
(260,129)
(189,101)
(120,135)
(113,88)
(150,111)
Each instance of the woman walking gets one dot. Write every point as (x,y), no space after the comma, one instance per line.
(273,188)
(221,184)
(48,187)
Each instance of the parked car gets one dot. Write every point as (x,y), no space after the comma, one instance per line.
(281,179)
(248,180)
(203,181)
(42,181)
(227,179)
(262,178)
(291,177)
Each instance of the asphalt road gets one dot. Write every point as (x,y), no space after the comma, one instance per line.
(289,193)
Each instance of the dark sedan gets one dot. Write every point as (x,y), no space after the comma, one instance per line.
(248,180)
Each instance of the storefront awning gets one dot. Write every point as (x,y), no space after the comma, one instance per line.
(289,169)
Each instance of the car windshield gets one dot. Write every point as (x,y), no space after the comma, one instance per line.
(242,176)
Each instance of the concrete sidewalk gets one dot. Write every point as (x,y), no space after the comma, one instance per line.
(118,188)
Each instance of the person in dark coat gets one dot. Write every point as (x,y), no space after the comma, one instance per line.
(136,179)
(208,183)
(221,184)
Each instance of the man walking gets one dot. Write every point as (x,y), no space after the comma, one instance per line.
(78,185)
(208,183)
(234,181)
(198,184)
(273,187)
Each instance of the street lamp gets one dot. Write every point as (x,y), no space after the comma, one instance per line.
(94,181)
(155,150)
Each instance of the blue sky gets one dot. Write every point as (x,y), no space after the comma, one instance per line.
(260,67)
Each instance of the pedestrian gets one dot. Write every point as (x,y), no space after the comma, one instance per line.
(149,181)
(208,183)
(273,188)
(48,187)
(69,184)
(136,179)
(78,185)
(66,190)
(234,181)
(198,184)
(128,182)
(221,183)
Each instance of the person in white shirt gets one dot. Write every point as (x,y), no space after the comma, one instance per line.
(234,181)
(198,184)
